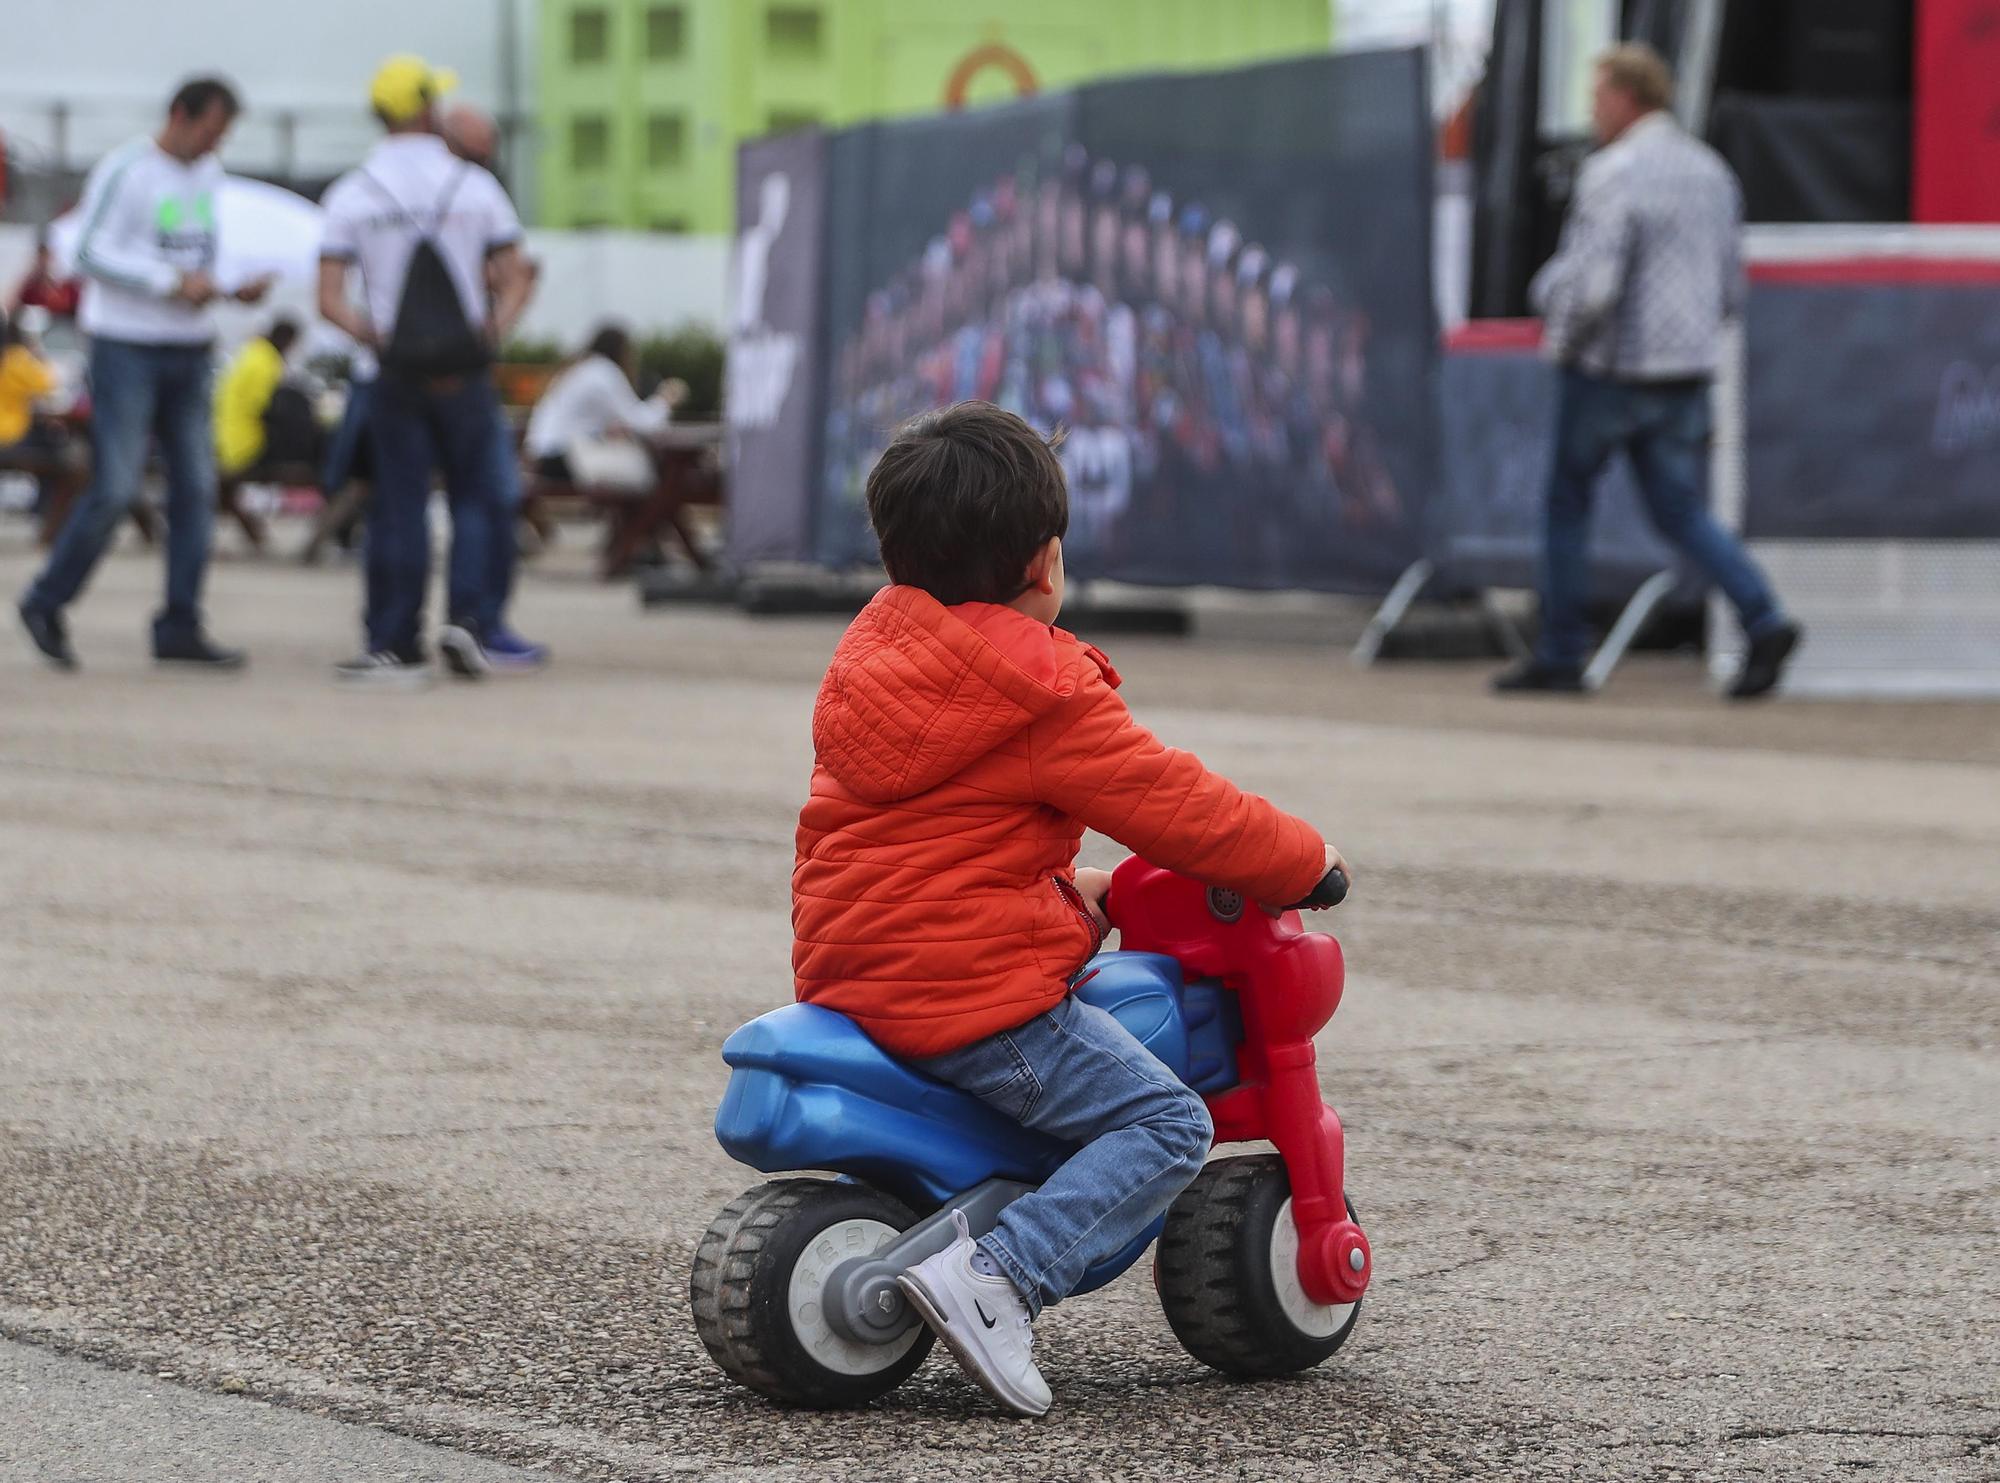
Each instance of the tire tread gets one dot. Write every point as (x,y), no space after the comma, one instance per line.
(1215,1245)
(723,1297)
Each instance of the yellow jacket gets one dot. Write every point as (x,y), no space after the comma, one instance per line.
(245,391)
(24,376)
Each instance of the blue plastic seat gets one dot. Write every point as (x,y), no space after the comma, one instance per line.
(809,1090)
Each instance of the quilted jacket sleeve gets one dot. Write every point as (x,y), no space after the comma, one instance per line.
(1090,759)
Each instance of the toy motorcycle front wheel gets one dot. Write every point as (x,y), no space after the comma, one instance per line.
(759,1280)
(1228,1274)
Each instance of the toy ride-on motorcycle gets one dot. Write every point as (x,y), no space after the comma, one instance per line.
(1260,1267)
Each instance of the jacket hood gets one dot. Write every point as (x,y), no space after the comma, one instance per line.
(918,691)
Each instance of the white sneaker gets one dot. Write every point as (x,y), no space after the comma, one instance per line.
(982,1320)
(383,670)
(463,654)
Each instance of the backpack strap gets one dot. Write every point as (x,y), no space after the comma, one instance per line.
(440,210)
(443,207)
(383,191)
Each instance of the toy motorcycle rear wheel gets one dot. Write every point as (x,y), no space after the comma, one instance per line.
(1228,1274)
(759,1275)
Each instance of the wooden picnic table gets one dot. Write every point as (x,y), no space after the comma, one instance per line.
(687,460)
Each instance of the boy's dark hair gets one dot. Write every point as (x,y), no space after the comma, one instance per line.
(198,94)
(962,499)
(283,333)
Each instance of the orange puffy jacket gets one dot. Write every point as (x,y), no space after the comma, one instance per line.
(961,753)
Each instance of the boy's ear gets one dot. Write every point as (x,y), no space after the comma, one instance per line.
(1040,575)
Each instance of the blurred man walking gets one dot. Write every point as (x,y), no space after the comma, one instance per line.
(1633,304)
(147,255)
(432,236)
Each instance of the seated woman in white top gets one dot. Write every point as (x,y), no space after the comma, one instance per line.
(592,398)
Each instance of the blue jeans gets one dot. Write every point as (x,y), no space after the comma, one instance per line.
(344,451)
(137,391)
(414,428)
(503,545)
(1664,430)
(1075,1073)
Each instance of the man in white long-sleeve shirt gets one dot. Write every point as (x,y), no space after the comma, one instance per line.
(147,255)
(1633,305)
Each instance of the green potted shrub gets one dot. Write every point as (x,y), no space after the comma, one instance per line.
(693,353)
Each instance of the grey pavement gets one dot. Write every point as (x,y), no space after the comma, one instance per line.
(71,1421)
(358,1055)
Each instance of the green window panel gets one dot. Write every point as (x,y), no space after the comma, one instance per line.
(589,142)
(785,120)
(666,141)
(589,35)
(794,33)
(666,33)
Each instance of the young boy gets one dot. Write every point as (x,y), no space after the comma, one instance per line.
(963,746)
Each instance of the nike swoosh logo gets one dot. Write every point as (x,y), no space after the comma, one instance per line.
(981,1307)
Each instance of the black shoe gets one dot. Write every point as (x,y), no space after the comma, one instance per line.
(197,649)
(1764,665)
(50,635)
(1536,676)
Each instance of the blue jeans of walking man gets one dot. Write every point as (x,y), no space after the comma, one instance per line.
(139,392)
(415,428)
(1664,429)
(1078,1075)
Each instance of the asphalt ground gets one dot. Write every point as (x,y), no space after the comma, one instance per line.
(358,1055)
(71,1421)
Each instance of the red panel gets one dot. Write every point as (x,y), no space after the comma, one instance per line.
(1494,337)
(1882,270)
(1956,135)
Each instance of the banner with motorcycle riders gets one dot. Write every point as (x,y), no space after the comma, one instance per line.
(1217,287)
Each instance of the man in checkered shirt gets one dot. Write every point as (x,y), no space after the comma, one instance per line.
(1633,305)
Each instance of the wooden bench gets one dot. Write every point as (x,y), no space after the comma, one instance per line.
(690,477)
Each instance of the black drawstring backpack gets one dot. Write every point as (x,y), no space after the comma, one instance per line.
(432,336)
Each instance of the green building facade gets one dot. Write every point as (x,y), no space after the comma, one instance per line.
(641,103)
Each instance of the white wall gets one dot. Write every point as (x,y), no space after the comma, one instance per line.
(1460,32)
(117,62)
(649,283)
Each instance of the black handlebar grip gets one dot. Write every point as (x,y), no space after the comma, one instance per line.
(1331,891)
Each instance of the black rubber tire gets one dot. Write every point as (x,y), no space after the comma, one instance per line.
(1214,1273)
(738,1289)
